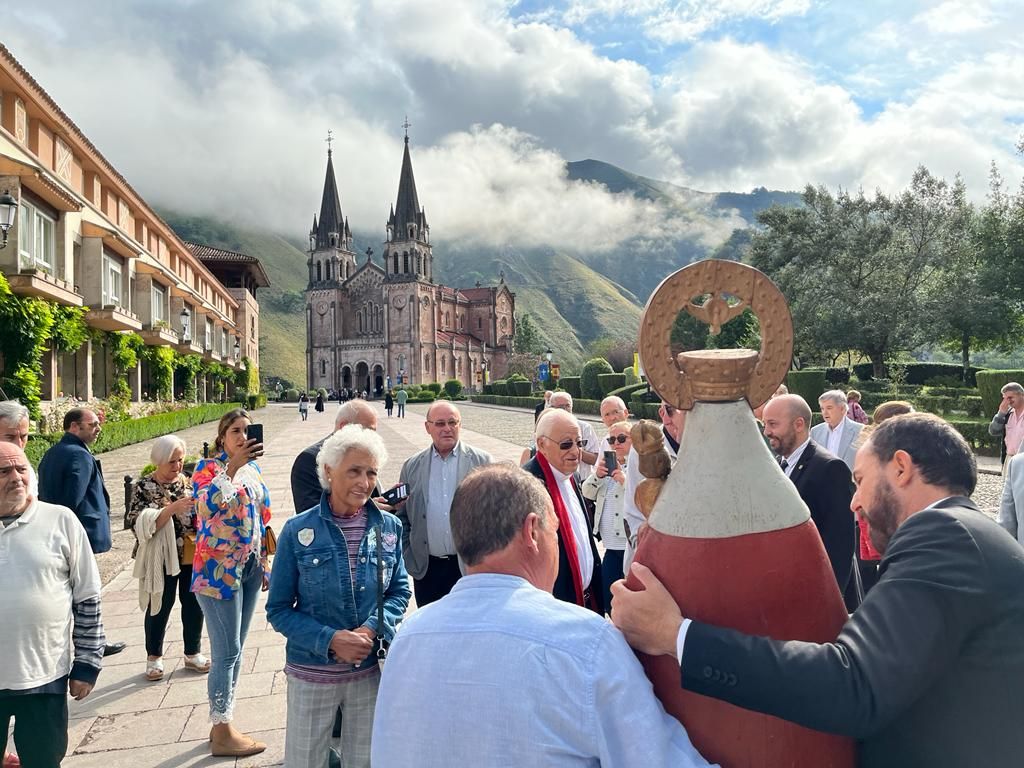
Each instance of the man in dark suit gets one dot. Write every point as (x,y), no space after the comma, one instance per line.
(823,482)
(928,671)
(558,456)
(306,488)
(69,475)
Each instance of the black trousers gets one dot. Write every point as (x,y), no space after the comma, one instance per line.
(40,728)
(441,575)
(191,615)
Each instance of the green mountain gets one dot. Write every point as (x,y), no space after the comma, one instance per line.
(572,298)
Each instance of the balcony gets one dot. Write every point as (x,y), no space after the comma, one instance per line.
(213,354)
(113,318)
(158,336)
(37,282)
(189,347)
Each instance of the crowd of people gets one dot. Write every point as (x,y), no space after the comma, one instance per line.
(514,593)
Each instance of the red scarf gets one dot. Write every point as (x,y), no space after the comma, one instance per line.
(565,529)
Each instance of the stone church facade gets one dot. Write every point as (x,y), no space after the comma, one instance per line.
(369,327)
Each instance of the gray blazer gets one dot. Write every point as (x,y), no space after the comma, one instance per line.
(1011,508)
(846,452)
(413,514)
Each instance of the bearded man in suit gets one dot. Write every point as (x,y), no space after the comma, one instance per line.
(823,482)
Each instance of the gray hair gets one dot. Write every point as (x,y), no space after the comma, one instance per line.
(13,412)
(349,437)
(163,447)
(551,417)
(349,412)
(563,395)
(490,506)
(837,396)
(1013,386)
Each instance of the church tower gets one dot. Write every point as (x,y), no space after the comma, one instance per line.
(407,250)
(331,259)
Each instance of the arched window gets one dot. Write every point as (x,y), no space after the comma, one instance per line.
(442,364)
(405,262)
(479,323)
(426,362)
(319,272)
(447,319)
(395,270)
(459,364)
(323,367)
(419,264)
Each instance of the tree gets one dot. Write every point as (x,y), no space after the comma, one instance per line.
(689,333)
(527,338)
(857,271)
(618,352)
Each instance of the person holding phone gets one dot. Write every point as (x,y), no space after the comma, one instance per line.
(166,492)
(230,566)
(606,488)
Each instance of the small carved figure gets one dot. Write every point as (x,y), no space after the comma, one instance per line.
(654,463)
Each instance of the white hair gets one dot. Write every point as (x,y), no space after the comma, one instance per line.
(837,396)
(551,417)
(164,447)
(351,436)
(349,412)
(563,395)
(12,412)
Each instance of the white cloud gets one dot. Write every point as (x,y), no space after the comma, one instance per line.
(955,17)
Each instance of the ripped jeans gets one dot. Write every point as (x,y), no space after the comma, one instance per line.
(227,622)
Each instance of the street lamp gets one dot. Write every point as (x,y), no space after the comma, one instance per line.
(237,348)
(8,210)
(184,316)
(548,354)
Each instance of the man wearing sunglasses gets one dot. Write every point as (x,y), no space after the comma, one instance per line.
(591,443)
(559,446)
(433,474)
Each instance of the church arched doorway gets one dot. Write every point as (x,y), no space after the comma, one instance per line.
(378,381)
(363,377)
(346,376)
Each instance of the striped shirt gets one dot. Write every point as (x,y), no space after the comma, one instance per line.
(352,529)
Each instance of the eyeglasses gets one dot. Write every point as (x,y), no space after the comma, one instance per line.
(620,439)
(565,445)
(450,423)
(563,407)
(669,409)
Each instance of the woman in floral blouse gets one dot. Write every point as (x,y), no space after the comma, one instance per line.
(168,490)
(230,566)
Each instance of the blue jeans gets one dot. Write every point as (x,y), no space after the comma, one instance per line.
(227,622)
(611,571)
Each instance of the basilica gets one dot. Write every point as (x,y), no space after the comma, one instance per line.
(370,327)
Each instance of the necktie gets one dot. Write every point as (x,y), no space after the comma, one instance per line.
(783,464)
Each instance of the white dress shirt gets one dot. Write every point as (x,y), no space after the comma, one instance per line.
(794,458)
(580,528)
(835,437)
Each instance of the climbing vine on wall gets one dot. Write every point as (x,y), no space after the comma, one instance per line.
(189,365)
(161,370)
(26,322)
(69,331)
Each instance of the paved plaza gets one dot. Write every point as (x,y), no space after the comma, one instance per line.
(127,721)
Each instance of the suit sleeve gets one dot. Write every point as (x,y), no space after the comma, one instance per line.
(74,483)
(306,490)
(836,524)
(905,634)
(402,513)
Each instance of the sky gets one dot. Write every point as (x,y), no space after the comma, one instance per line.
(222,107)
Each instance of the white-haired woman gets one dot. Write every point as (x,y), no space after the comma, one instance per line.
(323,599)
(167,491)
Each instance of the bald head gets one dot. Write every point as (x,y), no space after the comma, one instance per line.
(787,423)
(356,412)
(554,418)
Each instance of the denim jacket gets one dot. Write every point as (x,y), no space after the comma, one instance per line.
(311,592)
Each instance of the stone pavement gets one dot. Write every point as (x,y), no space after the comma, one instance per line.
(128,721)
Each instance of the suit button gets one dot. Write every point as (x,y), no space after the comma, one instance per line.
(707,672)
(362,559)
(316,561)
(732,681)
(361,589)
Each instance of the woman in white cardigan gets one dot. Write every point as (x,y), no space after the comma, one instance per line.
(606,491)
(168,493)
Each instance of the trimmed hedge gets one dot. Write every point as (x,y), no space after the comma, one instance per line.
(977,436)
(808,383)
(834,376)
(424,396)
(520,388)
(570,384)
(626,392)
(920,373)
(609,382)
(500,387)
(630,374)
(989,384)
(592,369)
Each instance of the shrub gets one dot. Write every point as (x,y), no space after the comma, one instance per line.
(290,396)
(630,373)
(977,436)
(434,387)
(322,392)
(589,387)
(944,381)
(258,400)
(989,384)
(500,387)
(607,382)
(520,387)
(627,392)
(488,389)
(571,384)
(808,383)
(426,396)
(922,373)
(453,387)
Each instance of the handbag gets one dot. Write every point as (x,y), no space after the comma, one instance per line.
(380,642)
(269,540)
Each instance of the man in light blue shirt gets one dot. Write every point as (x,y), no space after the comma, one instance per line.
(500,673)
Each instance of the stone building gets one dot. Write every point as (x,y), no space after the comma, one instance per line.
(84,237)
(368,326)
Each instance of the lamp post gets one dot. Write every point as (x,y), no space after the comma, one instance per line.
(8,210)
(549,354)
(184,317)
(237,349)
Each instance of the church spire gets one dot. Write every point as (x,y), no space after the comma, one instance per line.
(408,221)
(330,228)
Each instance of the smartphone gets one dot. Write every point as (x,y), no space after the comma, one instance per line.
(255,432)
(611,461)
(394,495)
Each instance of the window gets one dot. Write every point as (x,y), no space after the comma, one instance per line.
(319,272)
(209,334)
(36,242)
(112,281)
(479,322)
(223,342)
(158,303)
(323,368)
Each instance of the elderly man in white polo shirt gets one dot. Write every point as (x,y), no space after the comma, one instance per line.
(50,633)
